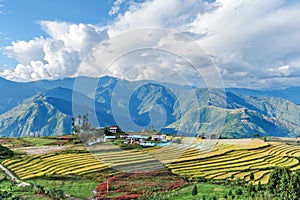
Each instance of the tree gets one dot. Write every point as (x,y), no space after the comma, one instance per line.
(284,184)
(5,152)
(5,195)
(106,130)
(238,191)
(259,186)
(39,189)
(256,135)
(295,186)
(85,122)
(74,130)
(251,188)
(194,191)
(274,179)
(119,130)
(251,175)
(56,193)
(225,196)
(79,119)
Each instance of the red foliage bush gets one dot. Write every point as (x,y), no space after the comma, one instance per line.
(101,188)
(138,184)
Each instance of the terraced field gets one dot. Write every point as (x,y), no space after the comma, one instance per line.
(125,160)
(28,167)
(223,159)
(232,162)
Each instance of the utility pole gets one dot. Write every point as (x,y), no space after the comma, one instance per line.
(107,186)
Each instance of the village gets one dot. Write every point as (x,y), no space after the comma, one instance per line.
(145,138)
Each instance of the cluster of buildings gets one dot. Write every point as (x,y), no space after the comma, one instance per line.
(156,139)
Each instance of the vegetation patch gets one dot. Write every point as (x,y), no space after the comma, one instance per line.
(135,185)
(80,187)
(5,152)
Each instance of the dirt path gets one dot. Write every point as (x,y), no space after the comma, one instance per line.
(37,150)
(13,178)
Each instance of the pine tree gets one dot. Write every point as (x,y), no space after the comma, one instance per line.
(251,175)
(259,186)
(251,188)
(195,191)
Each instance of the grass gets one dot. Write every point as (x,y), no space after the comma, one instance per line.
(23,193)
(76,187)
(185,193)
(209,191)
(39,141)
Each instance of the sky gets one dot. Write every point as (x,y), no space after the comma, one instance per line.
(253,43)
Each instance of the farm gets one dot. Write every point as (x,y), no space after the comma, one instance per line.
(232,162)
(247,160)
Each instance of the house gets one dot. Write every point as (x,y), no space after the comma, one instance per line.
(159,137)
(113,129)
(124,136)
(108,138)
(135,139)
(202,135)
(95,142)
(148,144)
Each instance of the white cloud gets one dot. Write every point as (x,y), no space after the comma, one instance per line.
(116,7)
(251,36)
(3,7)
(155,54)
(247,39)
(56,56)
(156,13)
(25,52)
(254,43)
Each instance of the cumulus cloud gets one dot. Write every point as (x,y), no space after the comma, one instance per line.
(250,38)
(25,52)
(56,56)
(254,43)
(116,7)
(155,54)
(155,13)
(247,39)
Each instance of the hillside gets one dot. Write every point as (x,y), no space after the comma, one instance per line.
(35,115)
(46,108)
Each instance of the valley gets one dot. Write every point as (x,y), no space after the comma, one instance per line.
(235,163)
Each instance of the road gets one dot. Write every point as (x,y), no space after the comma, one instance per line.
(13,178)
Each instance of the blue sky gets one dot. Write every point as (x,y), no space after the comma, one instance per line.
(254,43)
(20,18)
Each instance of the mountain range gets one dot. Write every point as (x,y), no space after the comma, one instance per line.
(47,108)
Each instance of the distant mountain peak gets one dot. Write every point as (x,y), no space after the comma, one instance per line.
(48,106)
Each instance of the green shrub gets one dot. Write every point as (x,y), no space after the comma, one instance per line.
(5,152)
(195,191)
